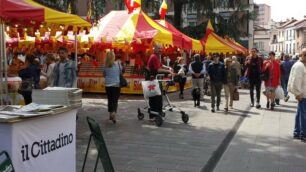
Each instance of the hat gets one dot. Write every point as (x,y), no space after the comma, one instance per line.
(228,60)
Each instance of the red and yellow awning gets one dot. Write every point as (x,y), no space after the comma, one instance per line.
(121,27)
(215,44)
(187,42)
(28,10)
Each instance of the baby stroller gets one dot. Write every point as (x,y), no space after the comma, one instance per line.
(154,96)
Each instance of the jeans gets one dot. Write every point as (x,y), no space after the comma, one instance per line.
(300,119)
(255,84)
(216,88)
(284,83)
(113,94)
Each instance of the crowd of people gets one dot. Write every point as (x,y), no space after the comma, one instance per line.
(280,75)
(277,73)
(59,73)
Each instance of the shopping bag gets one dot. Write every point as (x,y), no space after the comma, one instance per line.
(151,88)
(279,93)
(236,95)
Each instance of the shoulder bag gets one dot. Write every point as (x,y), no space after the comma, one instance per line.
(123,81)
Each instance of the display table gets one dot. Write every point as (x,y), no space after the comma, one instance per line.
(45,143)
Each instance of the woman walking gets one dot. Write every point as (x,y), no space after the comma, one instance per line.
(272,68)
(30,75)
(230,83)
(112,83)
(181,69)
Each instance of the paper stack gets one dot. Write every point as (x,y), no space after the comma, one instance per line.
(58,96)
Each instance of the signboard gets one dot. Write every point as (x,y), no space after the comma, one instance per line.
(41,144)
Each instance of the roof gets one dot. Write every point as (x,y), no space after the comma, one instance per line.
(295,23)
(287,23)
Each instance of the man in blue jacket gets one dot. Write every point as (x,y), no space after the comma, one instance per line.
(216,72)
(64,71)
(286,66)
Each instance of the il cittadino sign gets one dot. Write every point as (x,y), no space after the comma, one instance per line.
(43,147)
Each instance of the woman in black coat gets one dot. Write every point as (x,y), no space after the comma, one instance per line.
(30,75)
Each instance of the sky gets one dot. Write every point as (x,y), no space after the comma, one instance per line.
(283,9)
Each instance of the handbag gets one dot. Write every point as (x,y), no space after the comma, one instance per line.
(123,81)
(264,75)
(236,95)
(25,86)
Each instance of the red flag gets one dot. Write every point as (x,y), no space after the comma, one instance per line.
(163,10)
(129,5)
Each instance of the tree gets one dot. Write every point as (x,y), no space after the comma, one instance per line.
(62,5)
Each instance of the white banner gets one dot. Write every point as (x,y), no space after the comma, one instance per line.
(42,144)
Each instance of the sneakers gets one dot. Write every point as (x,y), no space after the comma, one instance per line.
(252,104)
(277,101)
(226,109)
(286,98)
(258,105)
(213,110)
(295,136)
(272,106)
(268,105)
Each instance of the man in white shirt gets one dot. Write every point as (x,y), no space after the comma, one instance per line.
(296,85)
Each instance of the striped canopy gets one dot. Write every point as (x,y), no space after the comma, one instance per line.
(215,44)
(28,10)
(187,42)
(121,27)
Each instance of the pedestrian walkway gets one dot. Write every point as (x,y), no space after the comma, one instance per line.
(140,146)
(264,143)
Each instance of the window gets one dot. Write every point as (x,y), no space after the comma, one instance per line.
(290,49)
(293,51)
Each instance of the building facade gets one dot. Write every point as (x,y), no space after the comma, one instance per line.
(263,15)
(262,39)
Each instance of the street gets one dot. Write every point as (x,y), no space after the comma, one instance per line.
(208,142)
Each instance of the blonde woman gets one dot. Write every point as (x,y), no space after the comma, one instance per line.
(111,74)
(48,69)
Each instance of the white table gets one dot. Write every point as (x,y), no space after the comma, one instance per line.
(41,144)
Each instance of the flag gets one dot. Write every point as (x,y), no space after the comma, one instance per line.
(137,4)
(129,5)
(163,10)
(89,11)
(69,10)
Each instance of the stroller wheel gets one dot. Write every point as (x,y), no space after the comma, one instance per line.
(163,114)
(140,116)
(158,120)
(185,117)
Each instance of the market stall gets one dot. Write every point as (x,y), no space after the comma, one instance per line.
(132,37)
(215,44)
(23,24)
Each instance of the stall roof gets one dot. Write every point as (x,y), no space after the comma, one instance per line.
(215,44)
(188,43)
(20,10)
(121,27)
